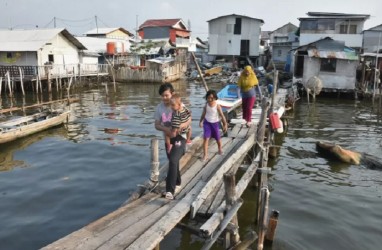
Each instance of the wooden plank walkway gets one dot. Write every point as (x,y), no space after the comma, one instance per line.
(144,222)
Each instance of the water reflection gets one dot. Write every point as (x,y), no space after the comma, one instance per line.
(8,150)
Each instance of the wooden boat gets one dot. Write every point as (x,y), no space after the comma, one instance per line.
(228,97)
(27,125)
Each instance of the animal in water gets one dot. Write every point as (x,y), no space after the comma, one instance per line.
(333,150)
(313,86)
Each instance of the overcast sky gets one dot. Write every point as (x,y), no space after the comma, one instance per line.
(78,16)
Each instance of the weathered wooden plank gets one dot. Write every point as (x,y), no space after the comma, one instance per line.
(196,143)
(230,214)
(152,237)
(198,176)
(210,199)
(214,200)
(219,174)
(211,224)
(90,234)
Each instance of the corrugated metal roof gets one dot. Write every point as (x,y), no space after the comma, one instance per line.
(160,23)
(333,14)
(333,54)
(234,15)
(105,31)
(98,44)
(32,40)
(162,60)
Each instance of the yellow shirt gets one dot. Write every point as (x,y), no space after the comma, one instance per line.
(246,82)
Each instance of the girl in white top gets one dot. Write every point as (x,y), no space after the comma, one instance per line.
(209,121)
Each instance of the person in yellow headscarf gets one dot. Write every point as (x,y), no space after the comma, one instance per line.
(247,83)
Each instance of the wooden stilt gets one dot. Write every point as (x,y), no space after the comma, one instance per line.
(229,184)
(154,176)
(60,78)
(1,84)
(249,238)
(36,84)
(79,73)
(106,88)
(272,224)
(228,217)
(264,194)
(9,83)
(74,75)
(21,81)
(47,68)
(39,84)
(56,84)
(68,89)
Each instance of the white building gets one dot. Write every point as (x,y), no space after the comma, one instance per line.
(234,35)
(38,47)
(372,40)
(338,26)
(329,60)
(282,41)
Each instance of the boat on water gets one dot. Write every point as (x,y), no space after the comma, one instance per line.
(228,97)
(27,125)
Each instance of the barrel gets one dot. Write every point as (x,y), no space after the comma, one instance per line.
(119,47)
(110,48)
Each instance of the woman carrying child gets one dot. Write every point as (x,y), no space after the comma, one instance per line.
(210,121)
(171,123)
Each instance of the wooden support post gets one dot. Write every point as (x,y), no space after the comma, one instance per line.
(262,125)
(1,84)
(49,80)
(156,247)
(106,89)
(112,75)
(272,225)
(275,87)
(36,84)
(230,198)
(9,84)
(74,75)
(228,217)
(21,81)
(68,89)
(79,72)
(39,81)
(249,238)
(199,71)
(56,84)
(363,75)
(60,78)
(263,216)
(154,176)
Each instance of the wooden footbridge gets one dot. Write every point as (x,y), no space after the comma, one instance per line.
(208,188)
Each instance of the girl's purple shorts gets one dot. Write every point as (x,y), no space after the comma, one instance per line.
(211,130)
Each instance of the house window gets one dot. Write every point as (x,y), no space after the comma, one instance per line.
(328,64)
(229,28)
(309,25)
(50,58)
(353,29)
(279,52)
(237,28)
(9,55)
(327,24)
(343,29)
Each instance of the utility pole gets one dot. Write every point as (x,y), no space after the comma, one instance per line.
(54,22)
(96,21)
(136,28)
